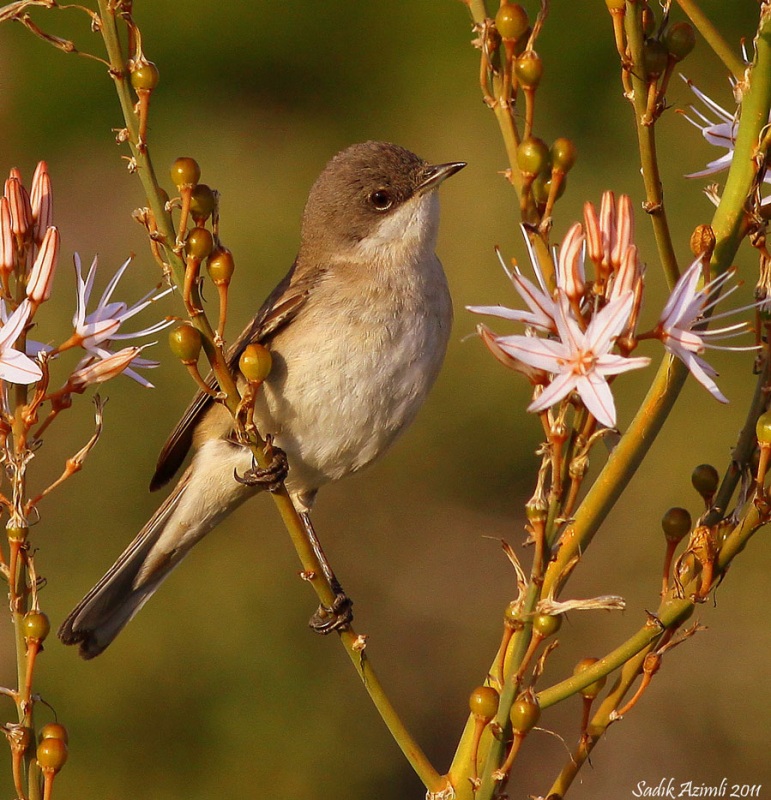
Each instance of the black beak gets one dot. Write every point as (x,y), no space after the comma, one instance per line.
(437,174)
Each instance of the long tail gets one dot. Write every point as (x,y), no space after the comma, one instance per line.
(199,501)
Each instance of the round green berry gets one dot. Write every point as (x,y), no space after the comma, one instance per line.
(202,201)
(529,68)
(533,156)
(763,428)
(199,243)
(525,713)
(547,624)
(511,20)
(255,363)
(52,754)
(563,154)
(593,689)
(675,523)
(185,172)
(185,343)
(35,625)
(221,266)
(145,76)
(54,730)
(680,39)
(655,57)
(705,480)
(483,702)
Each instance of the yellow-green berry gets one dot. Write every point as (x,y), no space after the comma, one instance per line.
(529,68)
(483,702)
(221,266)
(54,730)
(533,156)
(185,343)
(255,363)
(185,172)
(655,57)
(202,201)
(547,624)
(145,75)
(199,243)
(763,428)
(675,523)
(593,689)
(511,20)
(35,625)
(541,188)
(615,5)
(680,39)
(52,754)
(705,480)
(525,713)
(563,154)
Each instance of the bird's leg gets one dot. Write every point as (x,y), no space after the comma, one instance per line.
(270,478)
(339,615)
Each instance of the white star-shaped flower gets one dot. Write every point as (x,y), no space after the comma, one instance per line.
(15,366)
(685,309)
(580,361)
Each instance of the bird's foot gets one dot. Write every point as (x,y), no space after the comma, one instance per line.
(336,617)
(270,478)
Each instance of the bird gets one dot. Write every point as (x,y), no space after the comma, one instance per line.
(357,331)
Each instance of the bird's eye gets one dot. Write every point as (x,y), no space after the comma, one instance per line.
(381,200)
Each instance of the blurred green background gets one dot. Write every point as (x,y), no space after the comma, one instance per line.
(217,688)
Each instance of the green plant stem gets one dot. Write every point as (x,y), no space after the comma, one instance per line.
(713,38)
(297,532)
(646,141)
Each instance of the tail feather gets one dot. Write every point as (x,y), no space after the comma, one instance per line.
(117,597)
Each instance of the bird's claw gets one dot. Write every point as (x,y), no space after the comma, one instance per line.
(336,617)
(270,478)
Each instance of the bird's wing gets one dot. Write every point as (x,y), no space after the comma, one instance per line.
(281,306)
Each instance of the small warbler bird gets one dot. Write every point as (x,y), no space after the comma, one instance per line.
(357,331)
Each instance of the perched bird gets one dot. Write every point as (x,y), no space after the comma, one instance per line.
(357,330)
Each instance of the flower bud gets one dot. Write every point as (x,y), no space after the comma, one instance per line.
(570,264)
(103,369)
(18,200)
(7,259)
(41,277)
(41,202)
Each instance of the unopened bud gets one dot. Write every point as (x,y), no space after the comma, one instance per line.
(570,265)
(41,277)
(104,369)
(18,200)
(7,259)
(41,202)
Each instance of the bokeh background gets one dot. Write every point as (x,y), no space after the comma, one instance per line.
(217,688)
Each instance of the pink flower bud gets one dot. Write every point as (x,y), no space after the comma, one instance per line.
(593,233)
(18,200)
(570,265)
(624,230)
(41,202)
(607,226)
(104,369)
(6,237)
(41,276)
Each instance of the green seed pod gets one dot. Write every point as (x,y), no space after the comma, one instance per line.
(655,57)
(675,523)
(705,480)
(54,730)
(221,266)
(546,624)
(512,616)
(563,154)
(255,363)
(185,172)
(35,625)
(202,202)
(185,343)
(199,243)
(511,20)
(533,156)
(525,713)
(52,754)
(763,428)
(145,76)
(593,689)
(542,187)
(680,39)
(529,68)
(483,702)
